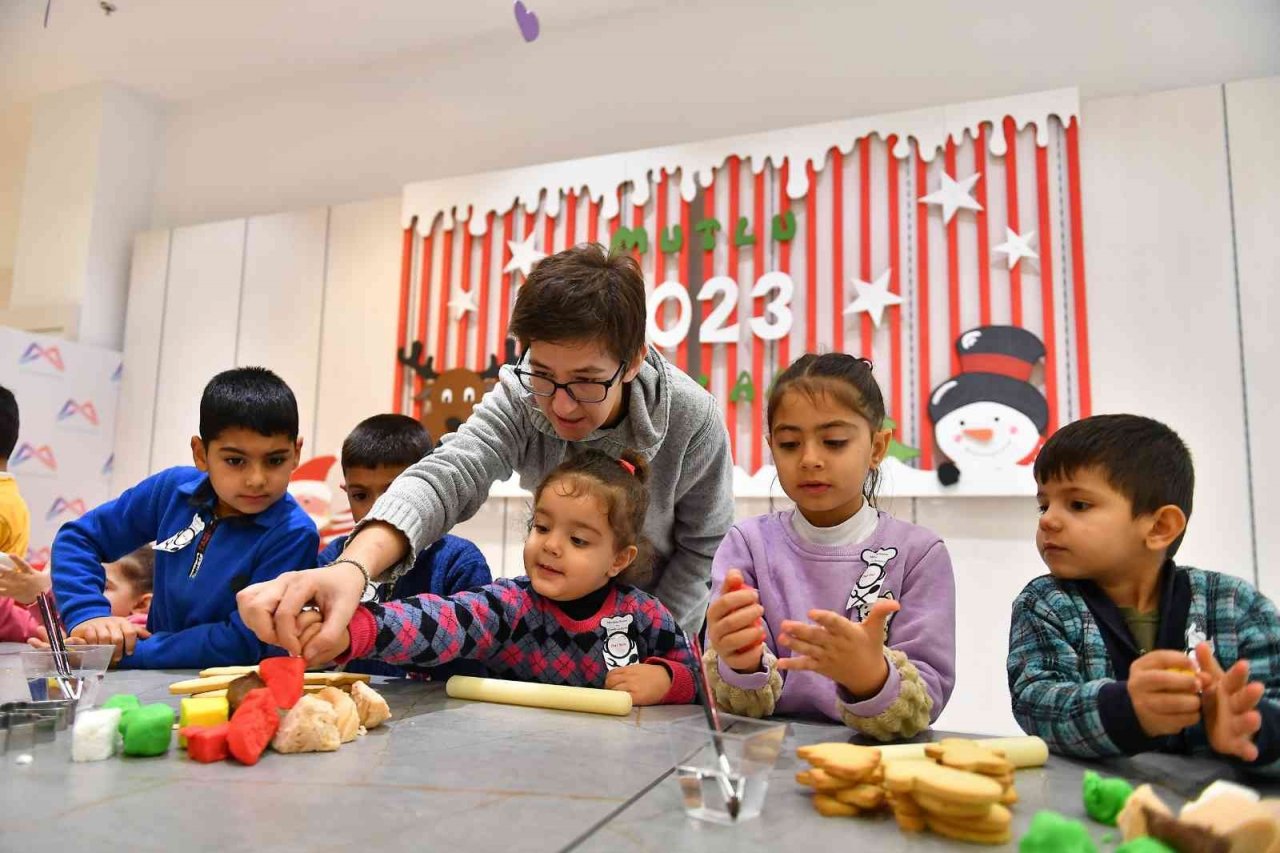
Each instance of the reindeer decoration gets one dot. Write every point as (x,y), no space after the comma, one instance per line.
(449,397)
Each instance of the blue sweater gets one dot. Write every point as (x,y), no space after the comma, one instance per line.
(201,563)
(449,565)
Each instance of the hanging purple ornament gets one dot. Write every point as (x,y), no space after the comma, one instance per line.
(527,21)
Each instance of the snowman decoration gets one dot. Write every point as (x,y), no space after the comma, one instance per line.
(619,647)
(990,418)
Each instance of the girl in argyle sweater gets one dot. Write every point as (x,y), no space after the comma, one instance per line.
(575,619)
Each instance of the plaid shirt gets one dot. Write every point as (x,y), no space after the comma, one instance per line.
(1069,653)
(518,634)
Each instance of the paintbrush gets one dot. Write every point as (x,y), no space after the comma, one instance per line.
(732,799)
(67,682)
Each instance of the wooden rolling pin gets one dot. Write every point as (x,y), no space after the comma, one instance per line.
(1023,752)
(592,700)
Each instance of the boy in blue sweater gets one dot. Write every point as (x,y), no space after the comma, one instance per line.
(374,454)
(218,527)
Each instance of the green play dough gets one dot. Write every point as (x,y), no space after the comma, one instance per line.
(1104,797)
(1144,844)
(1050,832)
(123,701)
(149,730)
(127,703)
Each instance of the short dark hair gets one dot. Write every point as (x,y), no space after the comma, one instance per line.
(848,379)
(249,397)
(138,568)
(584,294)
(393,440)
(8,422)
(620,484)
(1140,457)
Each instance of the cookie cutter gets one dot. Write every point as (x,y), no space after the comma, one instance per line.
(22,730)
(25,724)
(60,712)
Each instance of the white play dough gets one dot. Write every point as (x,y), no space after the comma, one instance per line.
(94,735)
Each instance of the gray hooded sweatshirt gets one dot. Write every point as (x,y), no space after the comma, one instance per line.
(671,421)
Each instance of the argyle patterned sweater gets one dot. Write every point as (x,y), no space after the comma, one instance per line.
(520,635)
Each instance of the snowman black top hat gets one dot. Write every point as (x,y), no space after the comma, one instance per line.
(995,364)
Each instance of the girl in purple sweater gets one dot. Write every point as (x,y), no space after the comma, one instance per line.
(832,609)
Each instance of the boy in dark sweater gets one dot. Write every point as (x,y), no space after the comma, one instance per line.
(226,523)
(1099,648)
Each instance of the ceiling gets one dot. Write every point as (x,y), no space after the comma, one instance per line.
(180,49)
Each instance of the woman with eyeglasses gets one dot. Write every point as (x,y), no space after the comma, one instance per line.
(586,379)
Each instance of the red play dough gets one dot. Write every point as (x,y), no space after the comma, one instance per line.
(252,726)
(206,744)
(284,679)
(734,584)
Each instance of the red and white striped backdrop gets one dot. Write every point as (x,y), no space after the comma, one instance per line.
(860,217)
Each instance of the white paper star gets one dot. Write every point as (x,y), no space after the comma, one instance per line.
(464,302)
(874,298)
(523,255)
(953,195)
(1016,247)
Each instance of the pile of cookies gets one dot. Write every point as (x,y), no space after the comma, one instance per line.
(960,790)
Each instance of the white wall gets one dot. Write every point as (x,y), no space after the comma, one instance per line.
(85,192)
(1254,122)
(672,74)
(15,134)
(127,148)
(1162,246)
(62,162)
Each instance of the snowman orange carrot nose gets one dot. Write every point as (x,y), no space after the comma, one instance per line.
(980,434)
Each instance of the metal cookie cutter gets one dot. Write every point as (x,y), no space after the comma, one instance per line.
(19,731)
(29,723)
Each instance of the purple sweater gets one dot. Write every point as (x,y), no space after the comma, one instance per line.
(899,560)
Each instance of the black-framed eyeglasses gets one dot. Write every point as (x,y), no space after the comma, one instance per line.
(580,391)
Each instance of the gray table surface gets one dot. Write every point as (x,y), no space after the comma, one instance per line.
(445,773)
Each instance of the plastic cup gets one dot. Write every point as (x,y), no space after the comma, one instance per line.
(750,750)
(88,666)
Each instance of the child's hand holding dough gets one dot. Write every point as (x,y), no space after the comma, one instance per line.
(735,627)
(309,622)
(1164,693)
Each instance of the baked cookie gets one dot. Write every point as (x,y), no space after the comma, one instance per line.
(865,796)
(846,761)
(828,806)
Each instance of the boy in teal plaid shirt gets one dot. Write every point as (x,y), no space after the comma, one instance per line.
(1098,649)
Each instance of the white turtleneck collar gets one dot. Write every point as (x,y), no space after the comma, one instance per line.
(852,530)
